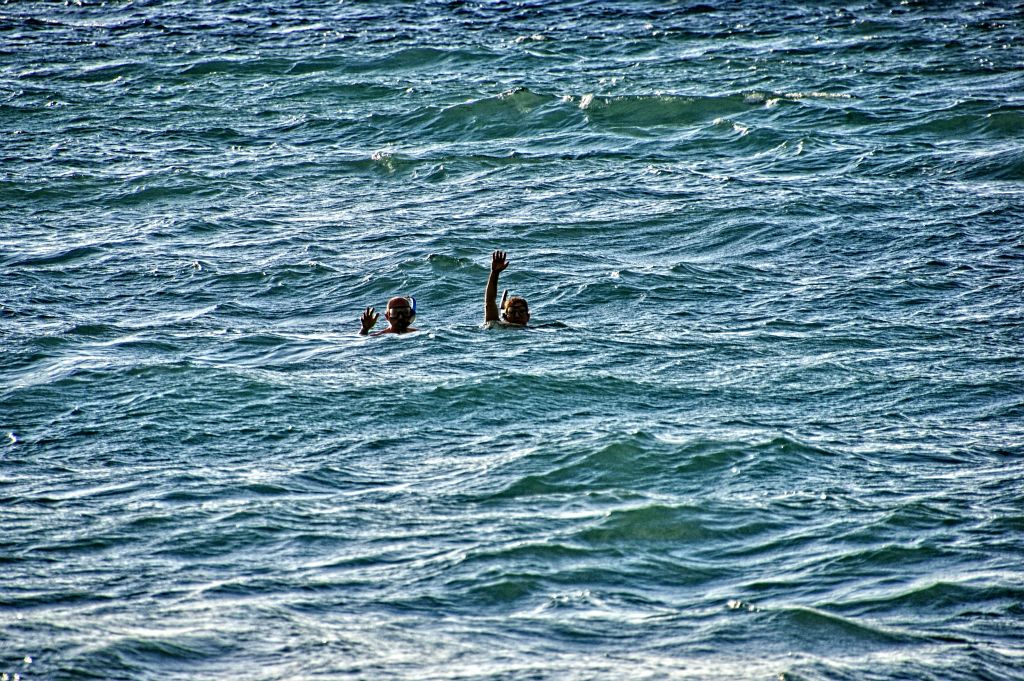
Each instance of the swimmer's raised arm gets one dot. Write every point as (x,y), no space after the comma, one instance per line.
(368,319)
(498,263)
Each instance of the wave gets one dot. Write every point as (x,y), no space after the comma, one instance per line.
(109,72)
(650,525)
(819,628)
(411,58)
(972,119)
(417,59)
(510,114)
(615,464)
(521,112)
(644,111)
(238,66)
(64,256)
(949,599)
(795,138)
(139,654)
(641,461)
(1004,165)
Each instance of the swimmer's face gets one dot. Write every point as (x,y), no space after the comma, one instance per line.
(398,314)
(517,311)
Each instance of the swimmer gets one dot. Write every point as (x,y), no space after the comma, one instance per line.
(514,310)
(400,314)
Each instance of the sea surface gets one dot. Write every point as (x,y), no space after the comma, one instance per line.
(767,421)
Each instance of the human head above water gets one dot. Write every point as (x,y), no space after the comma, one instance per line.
(516,310)
(399,313)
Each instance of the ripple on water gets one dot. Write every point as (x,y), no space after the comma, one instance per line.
(766,424)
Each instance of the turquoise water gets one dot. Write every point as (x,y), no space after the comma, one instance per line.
(768,424)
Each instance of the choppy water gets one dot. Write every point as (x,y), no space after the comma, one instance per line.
(769,424)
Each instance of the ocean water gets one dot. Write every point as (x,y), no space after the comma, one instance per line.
(767,423)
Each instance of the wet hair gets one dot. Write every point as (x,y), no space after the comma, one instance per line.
(516,300)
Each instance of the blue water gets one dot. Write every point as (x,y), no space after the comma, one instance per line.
(768,422)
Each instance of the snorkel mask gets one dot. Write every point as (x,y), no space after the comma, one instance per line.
(412,309)
(523,305)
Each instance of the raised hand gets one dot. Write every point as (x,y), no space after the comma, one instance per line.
(498,261)
(368,319)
